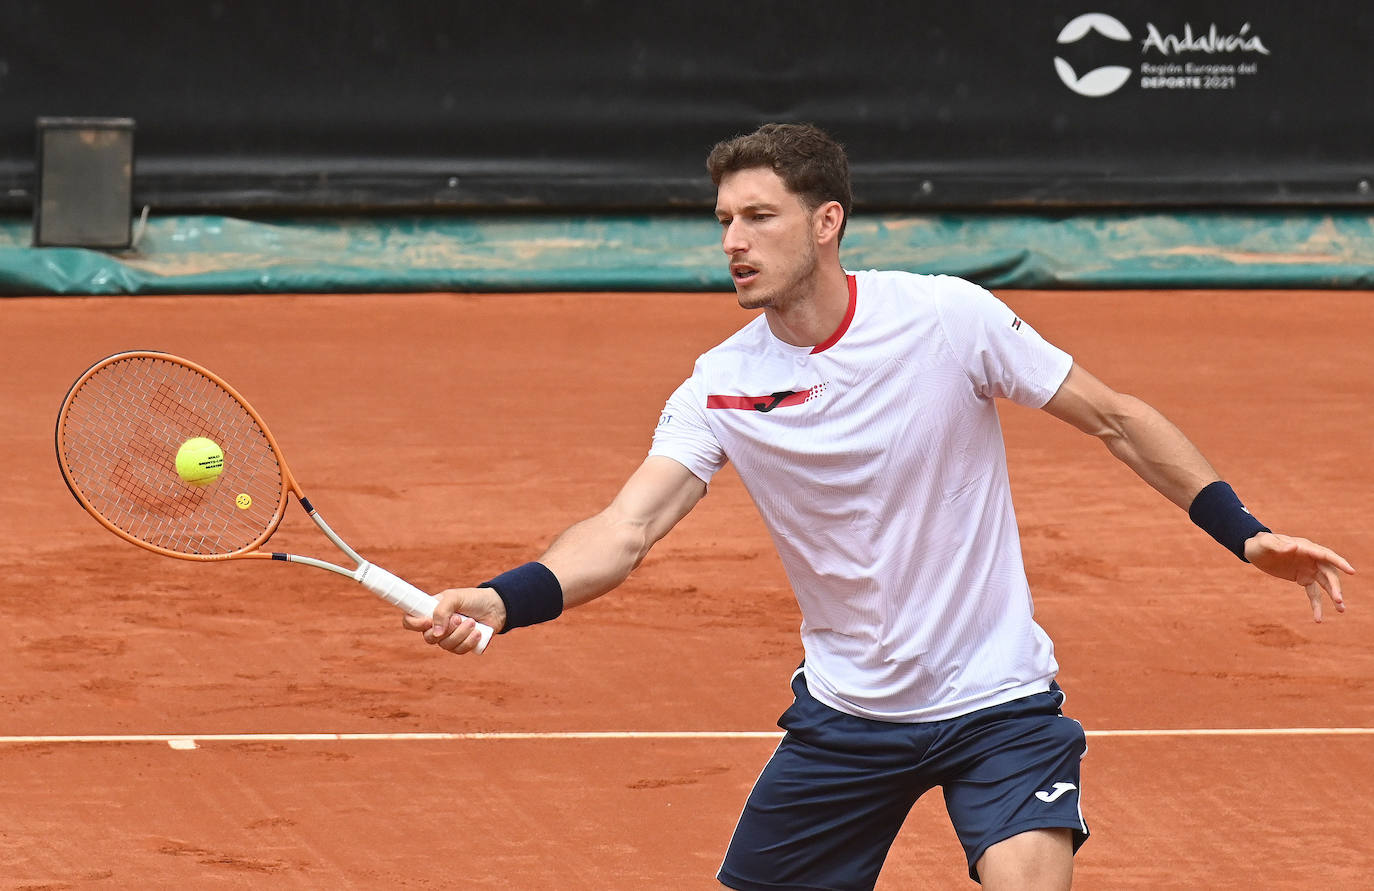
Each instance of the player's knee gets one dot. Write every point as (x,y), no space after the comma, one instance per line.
(1039,860)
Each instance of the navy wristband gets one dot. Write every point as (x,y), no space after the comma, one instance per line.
(531,594)
(1219,513)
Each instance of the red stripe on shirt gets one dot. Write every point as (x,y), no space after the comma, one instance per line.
(752,403)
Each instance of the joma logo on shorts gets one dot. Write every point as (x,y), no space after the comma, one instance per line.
(1058,790)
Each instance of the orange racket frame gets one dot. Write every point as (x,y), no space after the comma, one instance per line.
(384,584)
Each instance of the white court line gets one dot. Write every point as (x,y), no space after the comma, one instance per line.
(180,739)
(191,740)
(1240,731)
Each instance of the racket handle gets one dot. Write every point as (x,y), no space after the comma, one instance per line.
(399,592)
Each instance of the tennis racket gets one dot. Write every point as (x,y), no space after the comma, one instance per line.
(118,435)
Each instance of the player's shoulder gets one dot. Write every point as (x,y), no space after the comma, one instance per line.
(898,280)
(916,290)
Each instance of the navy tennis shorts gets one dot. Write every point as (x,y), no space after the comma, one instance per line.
(830,801)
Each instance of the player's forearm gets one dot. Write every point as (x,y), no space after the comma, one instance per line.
(599,553)
(1157,451)
(595,556)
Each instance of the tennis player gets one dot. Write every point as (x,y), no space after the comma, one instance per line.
(859,410)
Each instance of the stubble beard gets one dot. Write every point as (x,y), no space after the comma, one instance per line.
(781,295)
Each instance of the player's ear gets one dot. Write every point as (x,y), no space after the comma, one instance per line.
(828,220)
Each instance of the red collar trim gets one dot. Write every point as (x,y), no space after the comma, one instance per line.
(844,323)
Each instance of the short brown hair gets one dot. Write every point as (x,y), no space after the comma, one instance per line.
(811,164)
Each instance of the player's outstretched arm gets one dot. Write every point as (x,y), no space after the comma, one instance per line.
(587,560)
(1160,454)
(1137,434)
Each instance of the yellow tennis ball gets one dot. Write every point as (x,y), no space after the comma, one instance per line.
(200,461)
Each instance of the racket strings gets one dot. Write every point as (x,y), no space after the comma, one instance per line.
(119,437)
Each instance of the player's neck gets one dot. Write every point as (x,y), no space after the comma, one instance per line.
(815,311)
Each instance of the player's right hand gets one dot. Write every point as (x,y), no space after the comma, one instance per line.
(456,614)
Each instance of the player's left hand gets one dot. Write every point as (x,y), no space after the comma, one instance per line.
(1309,564)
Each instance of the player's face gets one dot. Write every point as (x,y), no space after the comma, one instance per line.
(767,234)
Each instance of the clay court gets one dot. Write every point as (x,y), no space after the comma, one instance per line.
(256,725)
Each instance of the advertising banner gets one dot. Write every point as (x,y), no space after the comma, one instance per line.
(356,106)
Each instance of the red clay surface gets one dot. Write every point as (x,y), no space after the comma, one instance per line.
(449,437)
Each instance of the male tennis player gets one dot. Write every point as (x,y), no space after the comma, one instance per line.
(859,411)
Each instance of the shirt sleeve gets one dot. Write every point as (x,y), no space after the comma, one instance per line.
(684,435)
(999,351)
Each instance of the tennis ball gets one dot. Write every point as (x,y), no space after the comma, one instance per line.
(200,461)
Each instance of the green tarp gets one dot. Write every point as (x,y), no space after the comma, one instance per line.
(216,254)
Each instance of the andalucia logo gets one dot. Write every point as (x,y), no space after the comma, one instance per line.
(1224,59)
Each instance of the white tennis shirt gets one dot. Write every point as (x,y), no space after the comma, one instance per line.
(877,463)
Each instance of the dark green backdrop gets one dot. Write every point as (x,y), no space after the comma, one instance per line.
(602,104)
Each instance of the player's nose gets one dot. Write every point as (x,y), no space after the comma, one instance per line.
(732,239)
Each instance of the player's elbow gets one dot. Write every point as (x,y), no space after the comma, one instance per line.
(628,539)
(1113,421)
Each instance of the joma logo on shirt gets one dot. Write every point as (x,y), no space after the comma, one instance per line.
(778,399)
